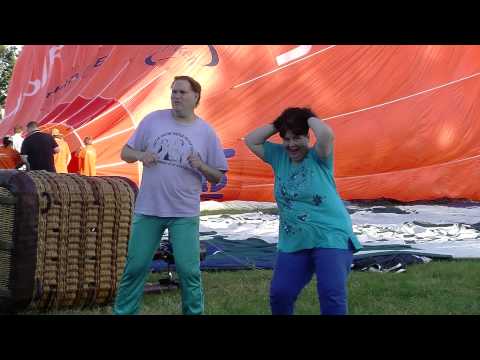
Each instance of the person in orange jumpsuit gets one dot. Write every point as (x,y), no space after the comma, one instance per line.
(87,158)
(9,157)
(63,157)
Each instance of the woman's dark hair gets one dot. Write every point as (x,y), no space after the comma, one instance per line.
(293,119)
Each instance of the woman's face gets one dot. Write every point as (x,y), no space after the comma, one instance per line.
(296,145)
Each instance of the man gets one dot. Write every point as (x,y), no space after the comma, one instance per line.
(87,158)
(177,149)
(38,149)
(9,157)
(62,158)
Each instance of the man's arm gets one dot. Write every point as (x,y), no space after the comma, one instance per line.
(25,161)
(24,156)
(130,155)
(324,136)
(257,138)
(211,174)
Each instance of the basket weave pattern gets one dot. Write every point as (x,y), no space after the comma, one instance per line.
(83,229)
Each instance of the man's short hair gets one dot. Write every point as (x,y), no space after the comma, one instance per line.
(194,84)
(32,125)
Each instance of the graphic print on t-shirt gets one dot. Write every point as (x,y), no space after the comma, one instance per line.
(296,186)
(296,183)
(173,149)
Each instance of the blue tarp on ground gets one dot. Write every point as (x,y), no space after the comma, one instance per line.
(223,254)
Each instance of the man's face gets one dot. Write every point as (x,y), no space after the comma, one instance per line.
(183,97)
(296,146)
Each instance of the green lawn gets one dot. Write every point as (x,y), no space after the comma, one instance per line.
(440,287)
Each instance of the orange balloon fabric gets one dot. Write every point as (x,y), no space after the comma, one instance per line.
(405,118)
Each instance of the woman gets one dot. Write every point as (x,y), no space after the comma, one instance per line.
(315,234)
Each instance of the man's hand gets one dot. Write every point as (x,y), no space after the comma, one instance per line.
(148,159)
(195,161)
(211,174)
(25,161)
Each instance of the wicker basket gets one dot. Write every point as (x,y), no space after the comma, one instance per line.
(63,239)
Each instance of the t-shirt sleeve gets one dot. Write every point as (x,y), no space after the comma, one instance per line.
(215,154)
(327,162)
(272,153)
(137,140)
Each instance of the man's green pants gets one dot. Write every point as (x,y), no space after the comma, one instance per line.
(145,239)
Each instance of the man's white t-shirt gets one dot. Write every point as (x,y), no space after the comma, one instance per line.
(171,187)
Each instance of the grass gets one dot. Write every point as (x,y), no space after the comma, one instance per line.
(439,287)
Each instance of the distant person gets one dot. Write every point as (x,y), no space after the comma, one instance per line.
(63,157)
(38,149)
(17,137)
(88,158)
(315,230)
(9,157)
